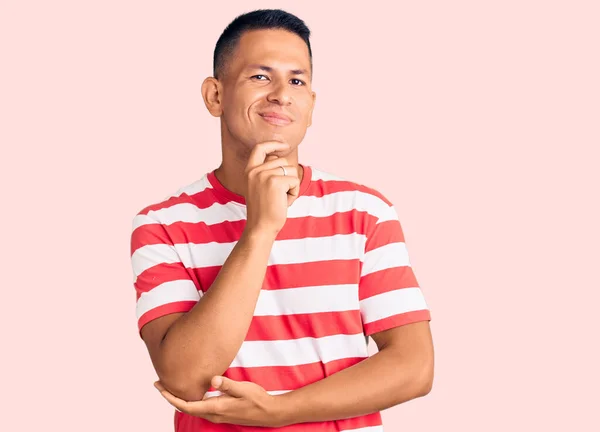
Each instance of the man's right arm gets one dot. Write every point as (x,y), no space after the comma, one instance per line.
(188,349)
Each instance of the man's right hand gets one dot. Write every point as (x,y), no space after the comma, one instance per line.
(270,193)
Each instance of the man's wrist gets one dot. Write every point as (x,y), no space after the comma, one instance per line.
(259,237)
(285,408)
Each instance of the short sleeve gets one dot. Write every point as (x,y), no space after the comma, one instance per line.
(162,283)
(389,293)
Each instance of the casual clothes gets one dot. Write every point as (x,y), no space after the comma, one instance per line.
(338,272)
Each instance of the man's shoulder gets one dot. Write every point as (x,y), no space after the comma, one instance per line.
(331,183)
(172,207)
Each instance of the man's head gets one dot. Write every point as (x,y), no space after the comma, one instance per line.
(262,65)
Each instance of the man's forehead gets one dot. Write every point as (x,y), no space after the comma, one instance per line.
(274,48)
(281,51)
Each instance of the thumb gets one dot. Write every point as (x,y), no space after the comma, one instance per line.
(229,386)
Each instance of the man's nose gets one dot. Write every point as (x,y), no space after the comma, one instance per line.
(281,94)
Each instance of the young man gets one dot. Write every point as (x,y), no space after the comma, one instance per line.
(259,284)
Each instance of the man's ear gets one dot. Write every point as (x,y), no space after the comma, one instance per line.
(212,94)
(314,99)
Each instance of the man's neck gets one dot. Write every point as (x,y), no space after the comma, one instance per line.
(231,172)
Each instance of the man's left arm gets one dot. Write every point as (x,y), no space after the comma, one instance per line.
(402,370)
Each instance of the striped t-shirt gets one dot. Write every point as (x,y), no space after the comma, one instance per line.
(338,272)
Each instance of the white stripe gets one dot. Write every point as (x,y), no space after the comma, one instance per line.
(317,174)
(148,256)
(389,213)
(142,219)
(338,202)
(296,352)
(168,292)
(271,392)
(293,251)
(312,249)
(188,212)
(365,429)
(204,254)
(385,257)
(391,303)
(306,300)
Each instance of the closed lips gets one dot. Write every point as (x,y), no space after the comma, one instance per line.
(275,116)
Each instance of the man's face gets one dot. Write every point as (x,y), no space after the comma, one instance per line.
(268,75)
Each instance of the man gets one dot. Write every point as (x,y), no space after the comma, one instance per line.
(259,284)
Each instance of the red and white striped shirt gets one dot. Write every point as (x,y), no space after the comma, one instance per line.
(338,272)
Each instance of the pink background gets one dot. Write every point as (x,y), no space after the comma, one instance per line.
(479,120)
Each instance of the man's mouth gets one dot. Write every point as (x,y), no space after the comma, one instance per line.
(276,119)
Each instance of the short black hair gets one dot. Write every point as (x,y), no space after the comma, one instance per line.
(260,19)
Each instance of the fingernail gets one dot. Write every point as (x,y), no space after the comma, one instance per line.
(218,381)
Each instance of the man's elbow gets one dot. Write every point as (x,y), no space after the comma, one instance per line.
(425,387)
(186,388)
(426,378)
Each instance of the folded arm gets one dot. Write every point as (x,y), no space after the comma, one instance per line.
(402,370)
(199,339)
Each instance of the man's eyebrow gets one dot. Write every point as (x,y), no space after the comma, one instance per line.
(270,69)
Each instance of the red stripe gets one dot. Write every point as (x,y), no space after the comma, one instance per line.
(202,199)
(296,326)
(282,327)
(320,188)
(396,321)
(334,272)
(385,233)
(350,222)
(148,234)
(164,204)
(276,378)
(386,280)
(360,422)
(201,233)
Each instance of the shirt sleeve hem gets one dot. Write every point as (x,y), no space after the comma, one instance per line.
(169,308)
(396,321)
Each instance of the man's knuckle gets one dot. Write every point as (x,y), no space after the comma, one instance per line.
(256,172)
(262,175)
(218,408)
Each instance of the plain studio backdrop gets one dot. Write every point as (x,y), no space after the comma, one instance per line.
(479,120)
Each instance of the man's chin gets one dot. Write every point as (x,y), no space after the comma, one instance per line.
(271,136)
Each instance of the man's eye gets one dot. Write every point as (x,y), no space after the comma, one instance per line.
(300,81)
(259,76)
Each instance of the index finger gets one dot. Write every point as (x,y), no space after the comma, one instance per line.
(261,150)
